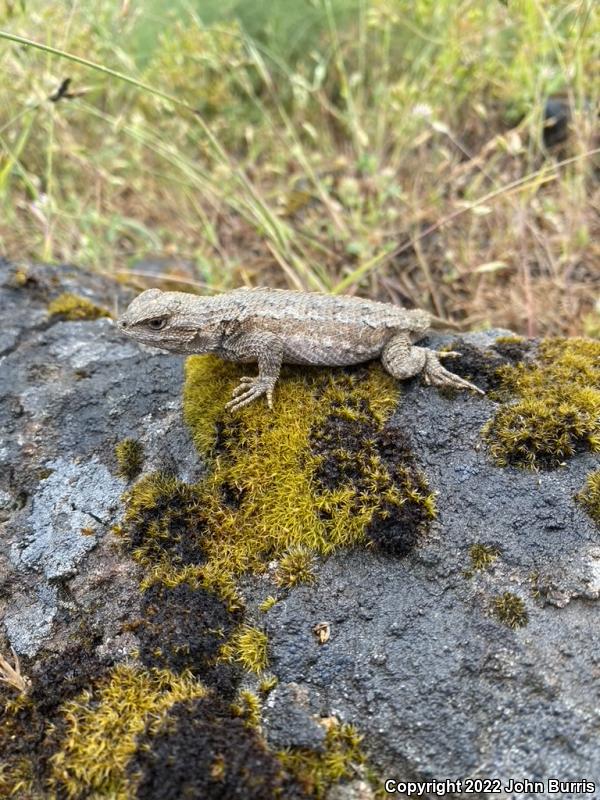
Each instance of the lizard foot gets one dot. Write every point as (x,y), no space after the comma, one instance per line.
(434,373)
(248,390)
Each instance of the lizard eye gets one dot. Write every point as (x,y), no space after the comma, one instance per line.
(157,324)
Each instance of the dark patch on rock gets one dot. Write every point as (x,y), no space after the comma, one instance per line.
(31,727)
(169,525)
(183,629)
(347,449)
(204,752)
(396,530)
(480,366)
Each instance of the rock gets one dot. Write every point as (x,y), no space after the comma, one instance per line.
(356,790)
(289,721)
(417,660)
(70,391)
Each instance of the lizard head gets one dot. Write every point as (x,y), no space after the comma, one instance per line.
(159,319)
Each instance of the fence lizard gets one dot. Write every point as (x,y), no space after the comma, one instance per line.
(275,326)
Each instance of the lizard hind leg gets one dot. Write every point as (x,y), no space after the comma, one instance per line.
(402,360)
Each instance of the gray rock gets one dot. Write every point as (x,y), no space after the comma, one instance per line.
(287,715)
(69,392)
(417,660)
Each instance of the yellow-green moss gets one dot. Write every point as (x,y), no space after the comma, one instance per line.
(247,707)
(589,496)
(267,493)
(510,609)
(295,567)
(315,771)
(130,458)
(267,604)
(249,647)
(482,556)
(102,726)
(71,307)
(267,684)
(556,410)
(268,465)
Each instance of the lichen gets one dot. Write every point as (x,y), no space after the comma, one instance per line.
(340,758)
(130,458)
(102,725)
(510,609)
(551,408)
(589,496)
(72,307)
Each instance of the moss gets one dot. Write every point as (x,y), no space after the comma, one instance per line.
(70,306)
(295,567)
(102,726)
(482,556)
(316,772)
(202,751)
(130,458)
(248,708)
(30,725)
(269,493)
(555,412)
(267,684)
(589,496)
(510,609)
(249,647)
(20,277)
(267,604)
(182,629)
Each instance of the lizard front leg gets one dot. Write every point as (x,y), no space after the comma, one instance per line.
(267,349)
(402,359)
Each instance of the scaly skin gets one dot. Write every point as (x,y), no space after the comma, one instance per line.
(276,326)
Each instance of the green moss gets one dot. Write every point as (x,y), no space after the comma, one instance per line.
(295,567)
(248,708)
(315,771)
(203,751)
(482,556)
(267,604)
(589,496)
(510,609)
(269,492)
(556,406)
(318,473)
(101,727)
(71,307)
(247,646)
(130,458)
(267,684)
(510,340)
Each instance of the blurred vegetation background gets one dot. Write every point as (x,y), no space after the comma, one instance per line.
(437,153)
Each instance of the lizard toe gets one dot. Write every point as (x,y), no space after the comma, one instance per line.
(249,390)
(438,375)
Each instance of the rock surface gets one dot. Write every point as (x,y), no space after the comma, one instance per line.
(440,688)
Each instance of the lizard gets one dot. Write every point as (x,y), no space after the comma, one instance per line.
(277,326)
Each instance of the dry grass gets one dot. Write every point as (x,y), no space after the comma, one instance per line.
(377,159)
(11,674)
